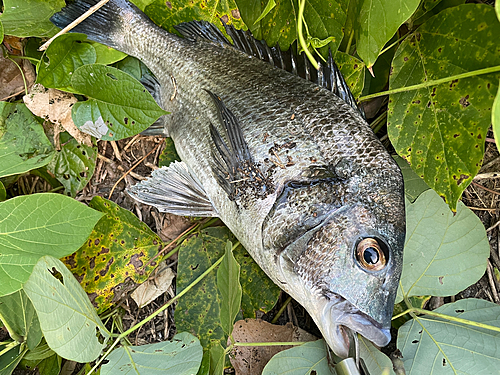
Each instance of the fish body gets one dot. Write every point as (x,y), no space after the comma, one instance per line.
(294,171)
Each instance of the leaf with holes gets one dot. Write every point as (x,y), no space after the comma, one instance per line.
(433,345)
(23,143)
(118,253)
(118,107)
(324,19)
(69,322)
(73,166)
(377,23)
(32,226)
(30,17)
(66,54)
(440,130)
(444,253)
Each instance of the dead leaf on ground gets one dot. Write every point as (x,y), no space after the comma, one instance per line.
(155,286)
(171,225)
(55,106)
(251,360)
(11,79)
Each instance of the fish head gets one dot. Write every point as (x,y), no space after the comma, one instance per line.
(344,266)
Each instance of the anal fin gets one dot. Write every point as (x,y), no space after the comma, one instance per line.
(176,190)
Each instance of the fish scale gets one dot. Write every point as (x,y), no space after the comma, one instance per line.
(292,169)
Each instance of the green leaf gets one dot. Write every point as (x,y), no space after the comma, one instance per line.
(353,71)
(41,352)
(259,292)
(324,19)
(495,119)
(429,8)
(440,130)
(300,360)
(66,53)
(35,225)
(30,17)
(376,361)
(133,67)
(50,365)
(118,105)
(169,154)
(228,282)
(217,359)
(23,143)
(414,185)
(22,327)
(181,356)
(171,13)
(1,32)
(377,23)
(497,9)
(73,166)
(444,253)
(141,4)
(10,359)
(3,192)
(119,248)
(69,322)
(433,345)
(270,5)
(106,55)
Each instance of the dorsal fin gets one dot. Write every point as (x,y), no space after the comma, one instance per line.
(328,75)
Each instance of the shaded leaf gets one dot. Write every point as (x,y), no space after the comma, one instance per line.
(228,283)
(377,23)
(22,327)
(495,118)
(118,105)
(169,154)
(133,67)
(119,248)
(414,185)
(73,166)
(440,130)
(376,361)
(429,8)
(181,356)
(42,351)
(444,253)
(23,143)
(50,365)
(300,360)
(30,17)
(217,359)
(69,322)
(66,53)
(106,55)
(3,192)
(10,359)
(399,308)
(1,32)
(436,346)
(35,225)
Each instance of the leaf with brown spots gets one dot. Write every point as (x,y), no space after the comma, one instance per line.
(115,254)
(440,130)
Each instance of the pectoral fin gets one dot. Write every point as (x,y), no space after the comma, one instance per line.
(176,190)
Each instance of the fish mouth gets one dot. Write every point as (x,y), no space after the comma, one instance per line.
(339,318)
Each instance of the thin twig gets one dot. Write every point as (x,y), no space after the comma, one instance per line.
(485,188)
(489,271)
(482,208)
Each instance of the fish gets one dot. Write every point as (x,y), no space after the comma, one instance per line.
(288,163)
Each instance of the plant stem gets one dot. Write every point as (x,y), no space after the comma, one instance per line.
(492,69)
(349,42)
(280,311)
(303,44)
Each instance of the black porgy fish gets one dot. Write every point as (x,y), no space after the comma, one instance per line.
(289,166)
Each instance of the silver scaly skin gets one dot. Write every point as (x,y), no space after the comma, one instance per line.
(317,201)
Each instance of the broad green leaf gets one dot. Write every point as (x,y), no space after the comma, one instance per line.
(50,365)
(181,356)
(30,17)
(171,13)
(228,282)
(66,53)
(270,5)
(69,322)
(106,55)
(444,253)
(440,130)
(22,327)
(377,23)
(429,8)
(73,166)
(133,67)
(437,346)
(10,359)
(3,192)
(217,359)
(497,8)
(353,71)
(141,4)
(119,248)
(495,118)
(381,70)
(41,352)
(324,19)
(1,32)
(259,292)
(118,105)
(414,185)
(169,154)
(300,360)
(23,143)
(32,226)
(376,361)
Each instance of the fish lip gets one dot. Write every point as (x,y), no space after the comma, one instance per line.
(339,316)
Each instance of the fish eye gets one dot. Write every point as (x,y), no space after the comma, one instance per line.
(370,254)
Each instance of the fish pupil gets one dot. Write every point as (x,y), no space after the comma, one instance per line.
(370,255)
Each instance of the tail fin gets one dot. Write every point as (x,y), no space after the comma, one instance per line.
(107,25)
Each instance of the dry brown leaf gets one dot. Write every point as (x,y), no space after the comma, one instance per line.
(11,79)
(55,106)
(154,287)
(251,360)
